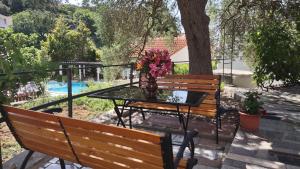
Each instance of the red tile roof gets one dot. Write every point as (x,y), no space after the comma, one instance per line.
(172,45)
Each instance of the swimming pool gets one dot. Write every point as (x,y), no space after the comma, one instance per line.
(62,88)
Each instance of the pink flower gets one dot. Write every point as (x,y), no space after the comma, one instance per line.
(157,62)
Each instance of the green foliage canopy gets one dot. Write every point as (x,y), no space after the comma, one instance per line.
(33,21)
(66,44)
(18,53)
(276,54)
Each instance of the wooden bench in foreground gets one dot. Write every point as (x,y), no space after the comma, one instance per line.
(203,83)
(94,145)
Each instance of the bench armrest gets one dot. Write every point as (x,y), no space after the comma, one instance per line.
(53,110)
(188,141)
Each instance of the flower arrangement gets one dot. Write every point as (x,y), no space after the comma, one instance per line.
(156,62)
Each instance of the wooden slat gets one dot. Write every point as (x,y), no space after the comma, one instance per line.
(33,114)
(91,160)
(34,121)
(208,111)
(76,134)
(40,131)
(108,156)
(188,86)
(190,81)
(92,165)
(209,92)
(39,139)
(46,148)
(120,151)
(182,164)
(128,133)
(194,76)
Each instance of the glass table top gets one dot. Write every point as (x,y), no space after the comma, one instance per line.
(178,97)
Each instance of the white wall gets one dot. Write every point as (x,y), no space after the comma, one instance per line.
(181,55)
(5,21)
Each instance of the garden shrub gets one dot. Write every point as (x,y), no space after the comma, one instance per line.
(183,69)
(275,53)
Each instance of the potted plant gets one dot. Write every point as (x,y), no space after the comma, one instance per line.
(250,112)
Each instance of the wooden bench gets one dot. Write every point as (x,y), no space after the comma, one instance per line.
(204,83)
(93,145)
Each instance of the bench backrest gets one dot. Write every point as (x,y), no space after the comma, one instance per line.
(90,144)
(202,83)
(39,132)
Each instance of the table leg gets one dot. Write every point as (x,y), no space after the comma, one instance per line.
(143,114)
(122,111)
(187,120)
(118,113)
(179,115)
(130,113)
(181,118)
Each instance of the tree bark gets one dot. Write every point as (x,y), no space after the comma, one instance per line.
(195,23)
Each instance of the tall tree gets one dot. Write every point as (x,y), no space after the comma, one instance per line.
(195,23)
(34,21)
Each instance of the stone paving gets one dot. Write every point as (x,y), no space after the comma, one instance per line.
(277,143)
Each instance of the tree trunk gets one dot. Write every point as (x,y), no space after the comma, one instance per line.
(195,23)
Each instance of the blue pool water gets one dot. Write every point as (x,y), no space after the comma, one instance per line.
(62,88)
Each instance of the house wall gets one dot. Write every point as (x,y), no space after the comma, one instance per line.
(5,21)
(181,56)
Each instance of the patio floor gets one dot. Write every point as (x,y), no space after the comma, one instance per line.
(276,145)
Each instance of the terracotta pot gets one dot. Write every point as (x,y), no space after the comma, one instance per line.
(249,122)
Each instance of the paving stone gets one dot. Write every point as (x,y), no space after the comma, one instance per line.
(57,166)
(252,166)
(229,167)
(292,167)
(198,166)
